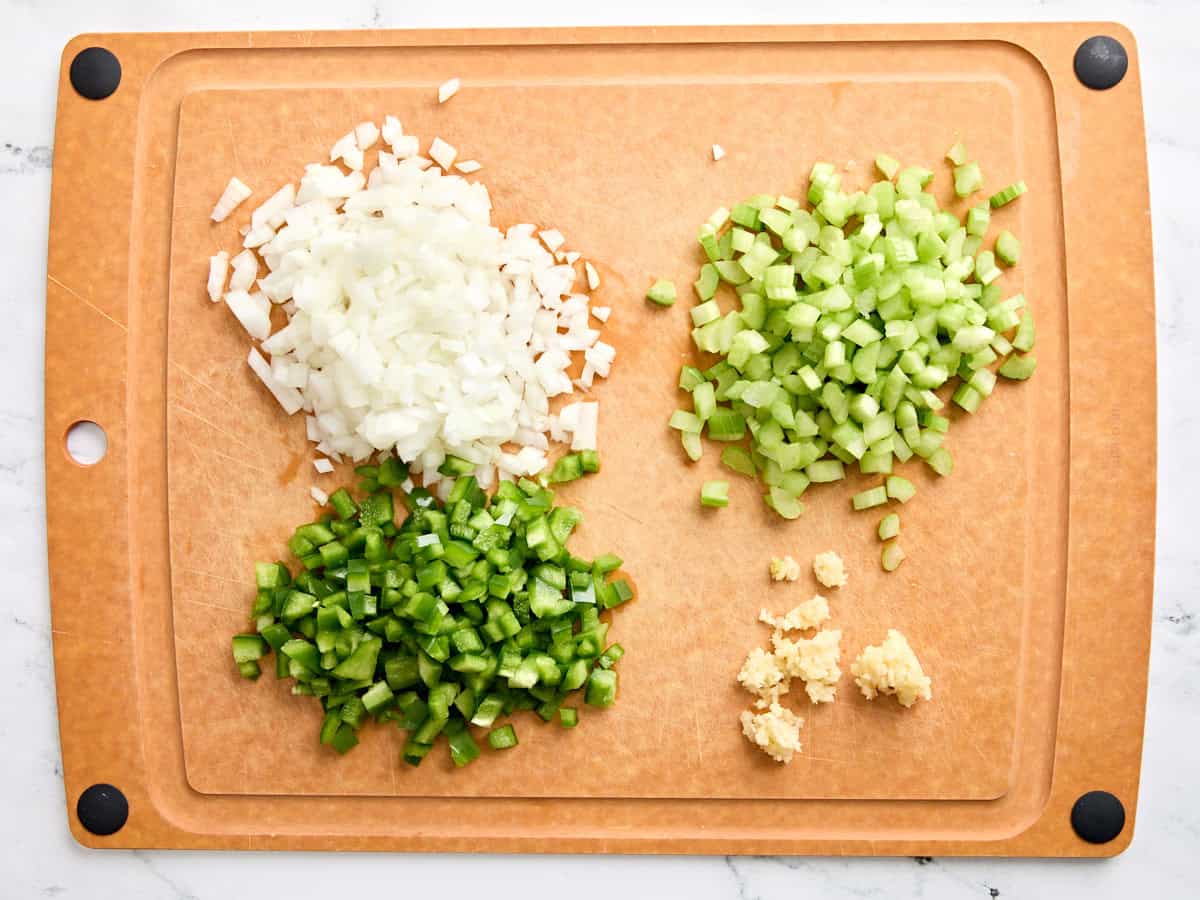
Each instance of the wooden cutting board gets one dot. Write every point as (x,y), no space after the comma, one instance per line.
(1027,592)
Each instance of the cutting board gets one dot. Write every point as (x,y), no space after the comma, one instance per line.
(1027,591)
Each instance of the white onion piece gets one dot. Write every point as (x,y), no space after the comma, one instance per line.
(718,152)
(218,270)
(253,311)
(235,192)
(274,210)
(467,166)
(288,398)
(365,135)
(392,129)
(318,495)
(323,466)
(602,312)
(245,270)
(442,153)
(347,150)
(593,277)
(448,89)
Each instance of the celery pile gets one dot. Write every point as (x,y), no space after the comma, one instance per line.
(850,317)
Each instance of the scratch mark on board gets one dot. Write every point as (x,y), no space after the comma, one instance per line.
(86,302)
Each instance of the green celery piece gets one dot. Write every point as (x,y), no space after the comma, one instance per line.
(1008,248)
(737,459)
(957,154)
(784,503)
(692,444)
(900,489)
(941,461)
(889,527)
(887,166)
(1026,334)
(968,178)
(706,284)
(689,377)
(1007,195)
(825,470)
(978,219)
(867,499)
(715,493)
(662,293)
(1018,368)
(891,556)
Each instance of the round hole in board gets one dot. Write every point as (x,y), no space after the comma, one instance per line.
(86,443)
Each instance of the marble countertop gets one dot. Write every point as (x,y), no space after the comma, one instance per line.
(38,857)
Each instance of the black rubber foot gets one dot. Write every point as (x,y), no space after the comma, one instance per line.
(95,73)
(1101,62)
(1098,817)
(102,809)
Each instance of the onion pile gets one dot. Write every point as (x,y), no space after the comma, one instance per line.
(414,325)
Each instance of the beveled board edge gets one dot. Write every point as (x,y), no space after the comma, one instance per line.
(1112,493)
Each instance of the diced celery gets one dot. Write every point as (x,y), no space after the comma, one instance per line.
(1007,195)
(662,293)
(887,166)
(1008,248)
(692,445)
(868,499)
(825,470)
(715,493)
(706,312)
(737,459)
(978,219)
(941,461)
(900,488)
(889,527)
(1026,334)
(1018,368)
(704,401)
(891,556)
(957,154)
(686,421)
(706,284)
(967,179)
(689,377)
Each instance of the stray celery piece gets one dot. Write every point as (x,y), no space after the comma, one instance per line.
(889,527)
(1018,368)
(692,444)
(715,494)
(891,556)
(978,219)
(662,292)
(887,166)
(568,716)
(876,496)
(1007,195)
(737,459)
(957,154)
(784,503)
(590,460)
(899,488)
(1008,248)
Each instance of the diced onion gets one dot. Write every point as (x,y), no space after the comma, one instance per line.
(218,271)
(318,495)
(414,326)
(233,195)
(448,89)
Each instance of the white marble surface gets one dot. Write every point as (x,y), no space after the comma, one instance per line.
(38,856)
